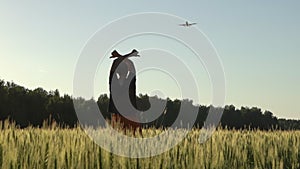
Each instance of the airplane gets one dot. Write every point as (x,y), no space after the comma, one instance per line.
(187,24)
(133,53)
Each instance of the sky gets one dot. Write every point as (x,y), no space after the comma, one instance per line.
(257,43)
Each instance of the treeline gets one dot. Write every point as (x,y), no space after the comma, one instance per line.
(36,107)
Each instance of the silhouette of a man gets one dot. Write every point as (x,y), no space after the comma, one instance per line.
(122,83)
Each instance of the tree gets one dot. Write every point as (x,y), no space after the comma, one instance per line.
(33,107)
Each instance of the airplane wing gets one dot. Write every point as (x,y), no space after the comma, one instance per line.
(188,24)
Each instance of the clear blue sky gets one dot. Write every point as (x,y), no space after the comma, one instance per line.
(258,43)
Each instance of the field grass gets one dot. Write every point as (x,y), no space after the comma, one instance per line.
(72,148)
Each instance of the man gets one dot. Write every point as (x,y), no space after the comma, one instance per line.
(122,83)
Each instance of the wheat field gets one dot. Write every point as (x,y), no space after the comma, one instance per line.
(52,147)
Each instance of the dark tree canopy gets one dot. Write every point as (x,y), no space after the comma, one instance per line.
(34,107)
